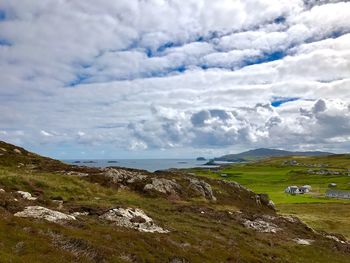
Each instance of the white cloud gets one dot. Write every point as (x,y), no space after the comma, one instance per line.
(45,133)
(292,125)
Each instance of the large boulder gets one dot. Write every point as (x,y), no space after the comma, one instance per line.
(164,186)
(124,176)
(40,212)
(132,218)
(202,188)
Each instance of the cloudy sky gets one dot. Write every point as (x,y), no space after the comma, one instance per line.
(174,78)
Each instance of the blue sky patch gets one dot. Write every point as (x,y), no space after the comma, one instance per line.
(2,15)
(268,57)
(4,42)
(165,46)
(280,20)
(80,79)
(277,102)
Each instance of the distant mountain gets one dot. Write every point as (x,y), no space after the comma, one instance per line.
(265,153)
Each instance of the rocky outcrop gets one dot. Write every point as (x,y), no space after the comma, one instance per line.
(271,205)
(17,151)
(132,218)
(202,188)
(339,238)
(261,225)
(303,242)
(77,214)
(263,199)
(78,174)
(124,176)
(40,212)
(26,195)
(164,186)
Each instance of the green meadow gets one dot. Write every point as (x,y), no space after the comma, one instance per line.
(272,176)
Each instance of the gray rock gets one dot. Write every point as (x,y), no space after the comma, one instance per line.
(19,247)
(303,242)
(124,176)
(76,214)
(337,239)
(26,195)
(232,184)
(17,151)
(271,205)
(78,174)
(178,260)
(260,225)
(263,199)
(44,213)
(163,185)
(203,188)
(132,218)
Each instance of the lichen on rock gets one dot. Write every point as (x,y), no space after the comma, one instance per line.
(124,176)
(303,242)
(26,195)
(132,218)
(202,187)
(40,212)
(260,225)
(163,185)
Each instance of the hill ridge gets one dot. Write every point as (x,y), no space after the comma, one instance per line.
(260,153)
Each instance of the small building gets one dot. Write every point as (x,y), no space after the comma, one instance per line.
(332,185)
(290,162)
(305,189)
(293,189)
(338,194)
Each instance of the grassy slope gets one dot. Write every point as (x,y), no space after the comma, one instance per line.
(208,237)
(270,176)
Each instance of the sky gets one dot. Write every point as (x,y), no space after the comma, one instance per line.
(174,78)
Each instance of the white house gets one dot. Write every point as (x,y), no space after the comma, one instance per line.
(305,188)
(293,189)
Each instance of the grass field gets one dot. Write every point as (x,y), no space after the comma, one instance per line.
(272,177)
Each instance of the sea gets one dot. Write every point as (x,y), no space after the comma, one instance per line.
(150,165)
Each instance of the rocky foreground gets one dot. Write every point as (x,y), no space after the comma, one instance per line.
(50,211)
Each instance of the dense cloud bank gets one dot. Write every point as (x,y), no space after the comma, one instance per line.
(148,75)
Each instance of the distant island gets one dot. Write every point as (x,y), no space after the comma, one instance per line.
(201,159)
(210,162)
(262,153)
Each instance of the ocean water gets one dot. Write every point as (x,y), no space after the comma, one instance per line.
(145,164)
